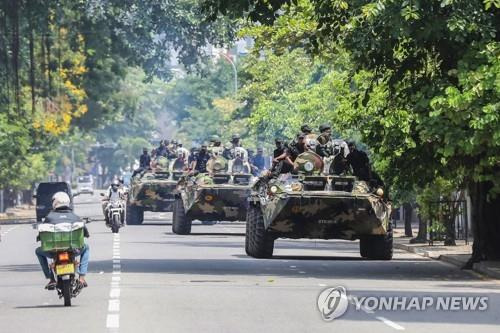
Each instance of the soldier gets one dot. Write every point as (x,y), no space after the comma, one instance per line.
(192,157)
(145,159)
(161,151)
(298,146)
(305,129)
(339,165)
(258,162)
(359,162)
(281,159)
(235,142)
(325,146)
(215,141)
(200,164)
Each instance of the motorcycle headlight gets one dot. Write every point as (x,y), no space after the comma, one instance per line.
(273,189)
(308,166)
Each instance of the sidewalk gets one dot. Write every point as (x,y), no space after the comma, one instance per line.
(17,214)
(455,255)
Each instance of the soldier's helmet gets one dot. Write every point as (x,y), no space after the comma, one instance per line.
(214,138)
(305,129)
(235,138)
(323,127)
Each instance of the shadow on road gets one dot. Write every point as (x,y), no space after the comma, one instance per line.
(47,306)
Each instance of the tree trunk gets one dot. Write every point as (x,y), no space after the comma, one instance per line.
(408,212)
(422,231)
(15,53)
(32,68)
(485,224)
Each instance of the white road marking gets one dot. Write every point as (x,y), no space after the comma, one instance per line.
(113,321)
(391,323)
(114,305)
(386,321)
(113,317)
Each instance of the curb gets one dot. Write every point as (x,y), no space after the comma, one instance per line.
(480,267)
(18,221)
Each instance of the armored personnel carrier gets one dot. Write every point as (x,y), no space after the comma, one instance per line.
(153,189)
(311,204)
(218,195)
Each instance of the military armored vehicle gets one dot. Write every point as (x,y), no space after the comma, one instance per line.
(153,189)
(311,204)
(218,195)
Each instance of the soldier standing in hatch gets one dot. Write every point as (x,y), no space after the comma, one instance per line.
(325,147)
(200,163)
(235,142)
(305,130)
(359,162)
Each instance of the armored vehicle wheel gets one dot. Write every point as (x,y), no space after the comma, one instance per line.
(258,242)
(377,247)
(181,224)
(134,215)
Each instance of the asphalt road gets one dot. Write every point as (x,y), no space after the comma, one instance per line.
(150,280)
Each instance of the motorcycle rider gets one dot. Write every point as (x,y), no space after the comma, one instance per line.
(113,194)
(62,213)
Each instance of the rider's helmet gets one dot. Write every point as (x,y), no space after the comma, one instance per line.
(115,185)
(60,200)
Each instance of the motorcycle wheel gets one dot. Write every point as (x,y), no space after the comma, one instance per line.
(115,226)
(66,291)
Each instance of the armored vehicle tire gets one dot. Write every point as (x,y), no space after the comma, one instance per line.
(377,247)
(181,224)
(258,242)
(134,215)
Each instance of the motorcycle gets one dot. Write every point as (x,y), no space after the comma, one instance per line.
(116,215)
(63,267)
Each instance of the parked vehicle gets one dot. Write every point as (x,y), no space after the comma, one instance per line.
(43,197)
(85,184)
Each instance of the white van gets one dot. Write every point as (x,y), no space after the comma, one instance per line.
(85,184)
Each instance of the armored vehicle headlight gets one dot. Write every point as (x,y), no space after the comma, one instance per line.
(308,166)
(273,189)
(296,187)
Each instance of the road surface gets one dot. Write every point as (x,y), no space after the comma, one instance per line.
(150,280)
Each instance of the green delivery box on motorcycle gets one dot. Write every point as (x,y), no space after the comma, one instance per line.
(61,236)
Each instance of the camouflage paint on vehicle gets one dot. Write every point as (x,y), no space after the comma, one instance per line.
(154,189)
(310,205)
(215,196)
(224,202)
